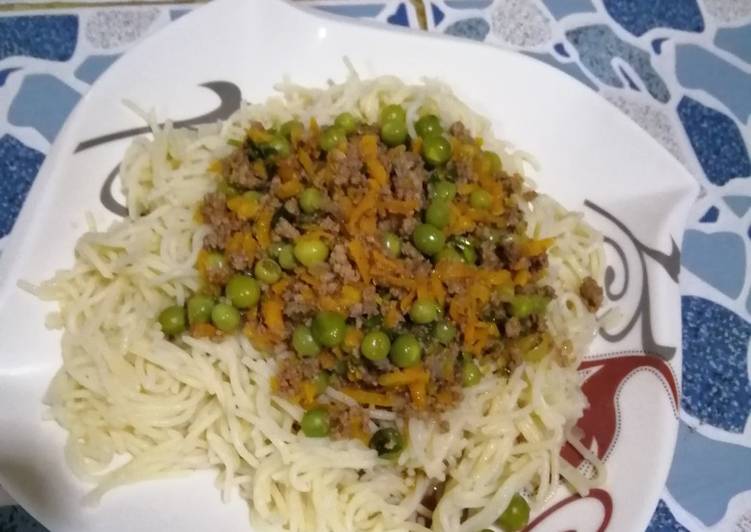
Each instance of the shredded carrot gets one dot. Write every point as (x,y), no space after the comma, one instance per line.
(308,394)
(281,285)
(244,207)
(262,228)
(306,162)
(405,207)
(437,288)
(271,308)
(521,277)
(406,301)
(404,377)
(258,338)
(416,145)
(289,189)
(352,338)
(215,167)
(418,391)
(360,256)
(369,152)
(531,248)
(327,360)
(393,316)
(365,397)
(203,330)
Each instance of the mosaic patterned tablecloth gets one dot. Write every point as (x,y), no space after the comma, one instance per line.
(680,68)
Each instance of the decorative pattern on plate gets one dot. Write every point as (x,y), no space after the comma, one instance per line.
(682,70)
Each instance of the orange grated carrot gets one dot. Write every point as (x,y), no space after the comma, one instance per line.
(365,397)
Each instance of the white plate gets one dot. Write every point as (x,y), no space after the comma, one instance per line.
(636,193)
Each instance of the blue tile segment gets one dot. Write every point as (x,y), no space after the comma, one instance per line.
(663,520)
(719,259)
(716,387)
(572,69)
(475,28)
(698,68)
(562,8)
(707,473)
(4,74)
(15,519)
(710,216)
(43,102)
(175,14)
(716,140)
(438,15)
(598,45)
(738,204)
(640,16)
(51,37)
(19,165)
(657,44)
(737,41)
(93,66)
(399,17)
(560,49)
(468,4)
(353,10)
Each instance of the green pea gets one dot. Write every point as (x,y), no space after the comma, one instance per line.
(304,343)
(228,190)
(438,213)
(310,200)
(321,382)
(443,190)
(275,248)
(493,160)
(267,271)
(243,291)
(225,317)
(428,126)
(286,257)
(524,305)
(347,122)
(253,195)
(331,138)
(172,320)
(387,442)
(515,516)
(480,199)
(392,113)
(393,132)
(216,261)
(467,248)
(373,322)
(375,345)
(405,351)
(199,308)
(278,146)
(393,244)
(315,423)
(448,253)
(424,311)
(444,332)
(471,374)
(329,328)
(436,150)
(288,127)
(428,239)
(311,251)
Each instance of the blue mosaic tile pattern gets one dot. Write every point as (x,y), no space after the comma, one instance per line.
(19,165)
(679,68)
